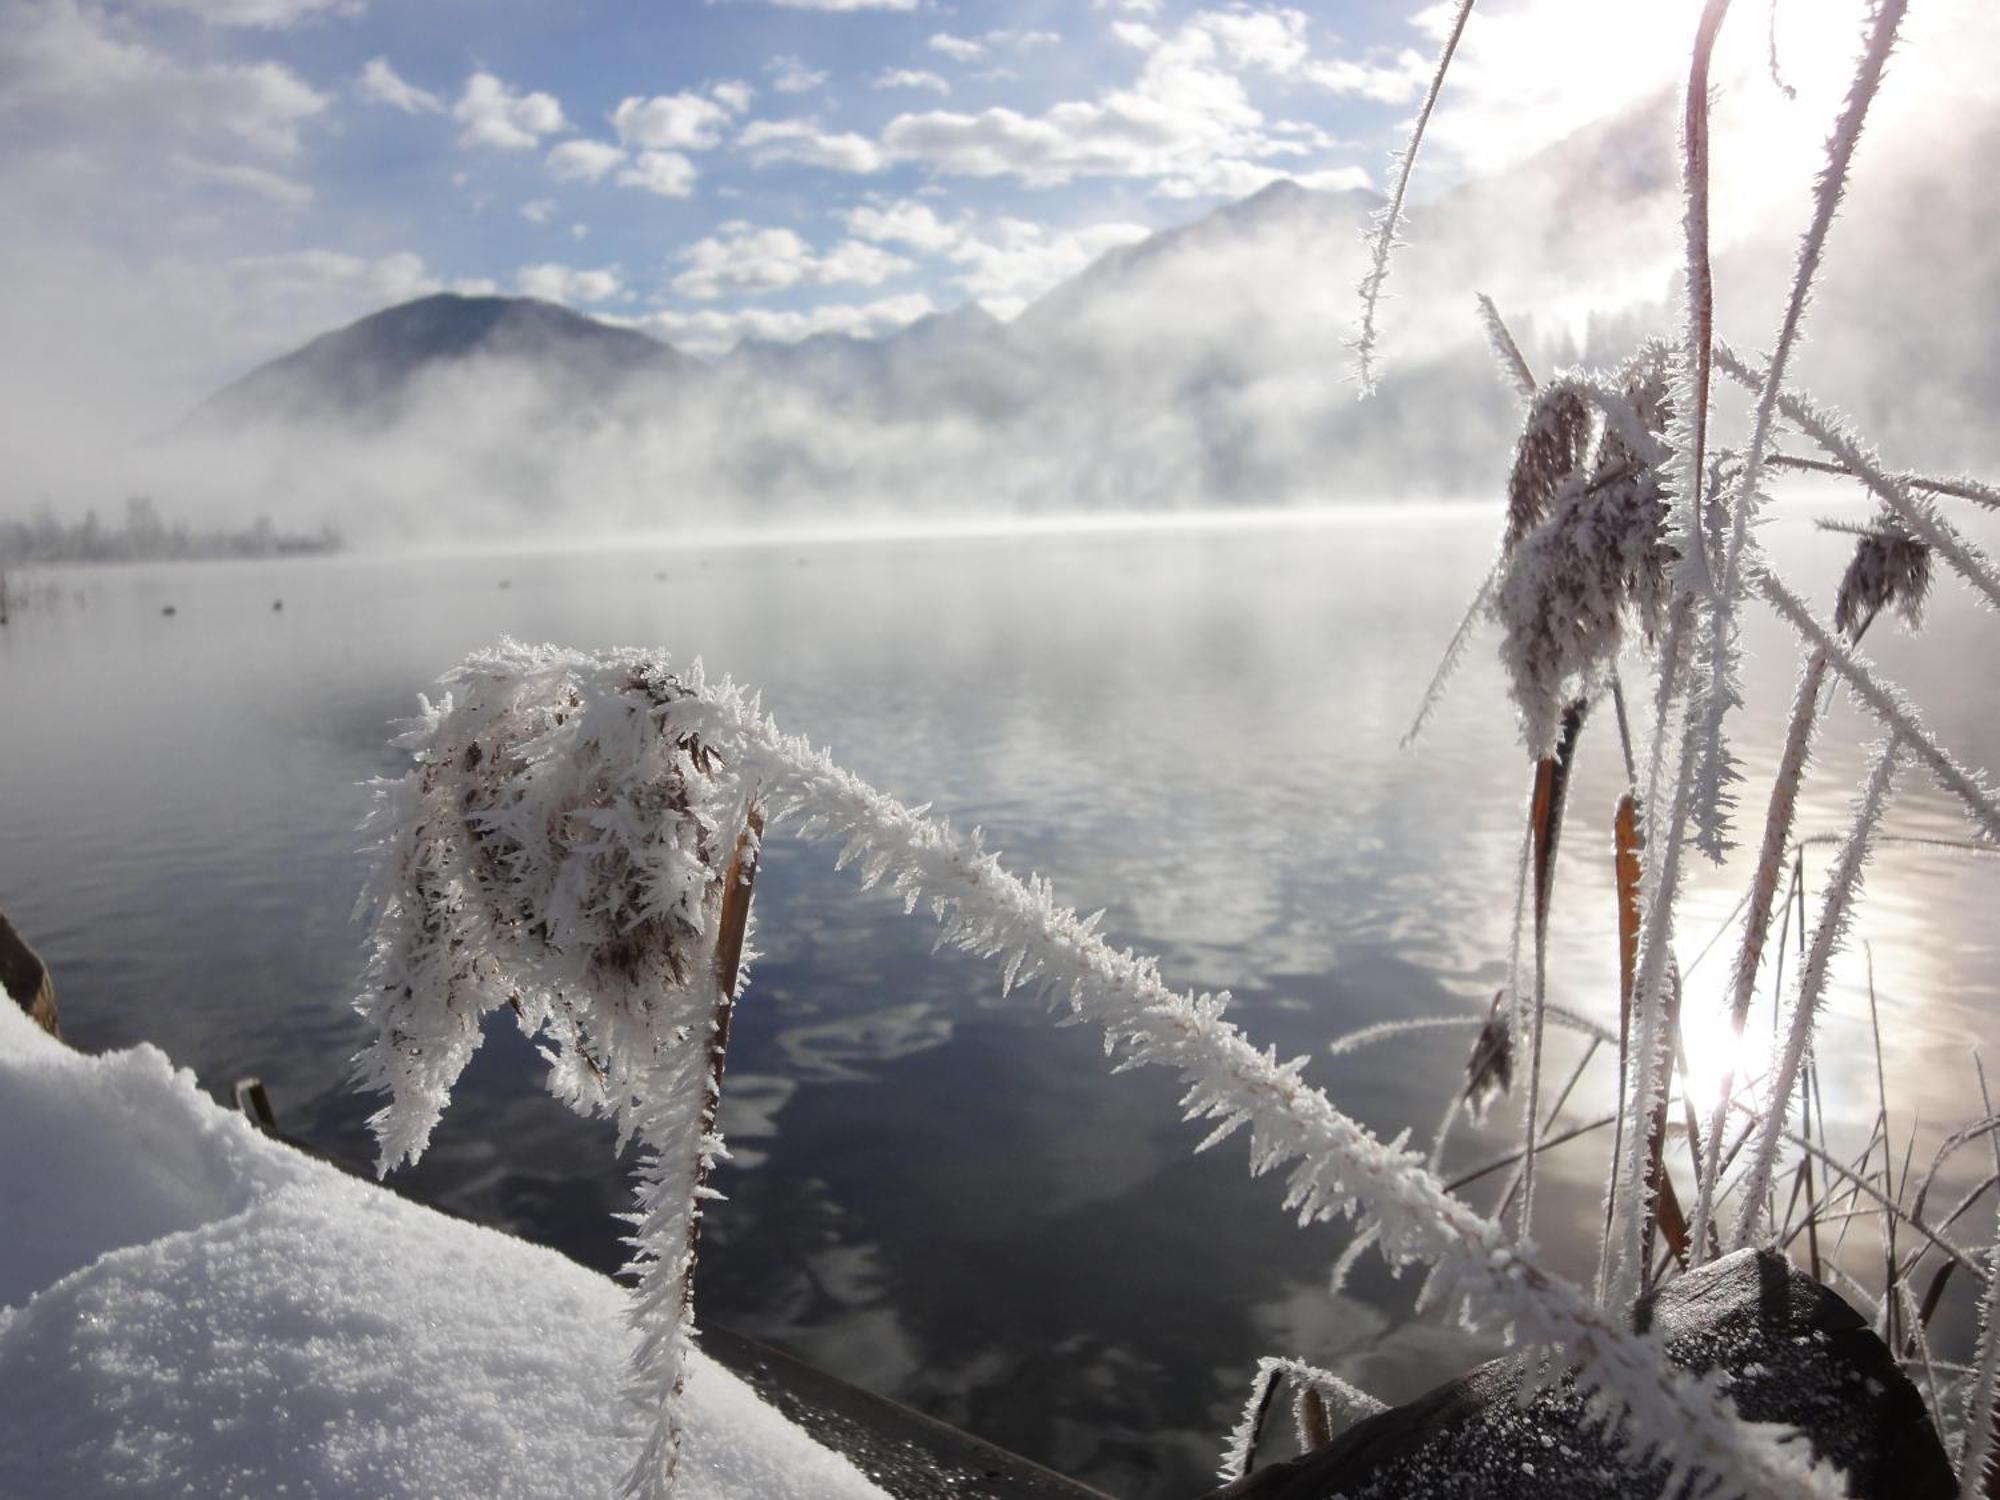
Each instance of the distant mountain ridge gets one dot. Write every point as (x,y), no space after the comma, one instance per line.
(1204,365)
(361,371)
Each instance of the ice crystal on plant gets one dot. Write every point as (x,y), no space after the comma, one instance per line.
(559,849)
(1586,553)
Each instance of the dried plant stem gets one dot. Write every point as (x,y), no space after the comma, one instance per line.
(1843,884)
(1334,1164)
(1506,350)
(1699,335)
(1757,921)
(1888,705)
(1713,767)
(1959,488)
(1918,514)
(1391,216)
(1321,1397)
(732,928)
(1546,817)
(1454,652)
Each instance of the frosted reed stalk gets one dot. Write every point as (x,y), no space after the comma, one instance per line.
(1917,513)
(1505,350)
(1383,238)
(1842,887)
(1346,1402)
(1714,770)
(1889,706)
(588,713)
(1757,921)
(1336,1166)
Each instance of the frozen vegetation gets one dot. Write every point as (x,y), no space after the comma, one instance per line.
(188,1307)
(576,841)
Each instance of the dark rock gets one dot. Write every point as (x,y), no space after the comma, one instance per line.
(1795,1353)
(26,979)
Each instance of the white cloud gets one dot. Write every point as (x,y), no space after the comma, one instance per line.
(733,95)
(671,122)
(317,277)
(382,84)
(1005,266)
(957,48)
(539,211)
(1186,122)
(558,283)
(906,222)
(583,161)
(1335,179)
(1009,266)
(909,78)
(275,187)
(802,142)
(75,79)
(1023,41)
(266,15)
(715,330)
(499,116)
(667,173)
(846,5)
(1131,7)
(741,257)
(1399,82)
(790,75)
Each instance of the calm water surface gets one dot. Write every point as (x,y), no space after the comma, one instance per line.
(937,1193)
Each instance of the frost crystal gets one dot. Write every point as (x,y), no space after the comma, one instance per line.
(1587,555)
(604,794)
(560,849)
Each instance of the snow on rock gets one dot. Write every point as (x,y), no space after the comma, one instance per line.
(195,1309)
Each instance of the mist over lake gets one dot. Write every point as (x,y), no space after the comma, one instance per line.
(935,1191)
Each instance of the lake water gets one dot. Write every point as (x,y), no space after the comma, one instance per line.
(937,1193)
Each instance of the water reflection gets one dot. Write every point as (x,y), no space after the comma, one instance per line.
(935,1191)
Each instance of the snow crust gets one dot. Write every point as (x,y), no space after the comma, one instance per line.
(191,1308)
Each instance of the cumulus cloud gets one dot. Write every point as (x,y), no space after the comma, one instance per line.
(559,283)
(496,115)
(1023,41)
(845,5)
(242,176)
(264,15)
(75,83)
(909,78)
(380,83)
(714,330)
(671,122)
(583,161)
(1187,121)
(1004,266)
(906,222)
(666,173)
(1011,265)
(790,75)
(957,48)
(743,258)
(804,143)
(539,210)
(733,95)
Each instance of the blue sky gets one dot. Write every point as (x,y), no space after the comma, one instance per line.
(713,170)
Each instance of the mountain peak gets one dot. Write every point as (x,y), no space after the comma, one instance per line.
(363,370)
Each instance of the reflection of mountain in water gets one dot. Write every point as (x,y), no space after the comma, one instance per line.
(1206,364)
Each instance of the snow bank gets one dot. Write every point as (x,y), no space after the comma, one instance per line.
(192,1308)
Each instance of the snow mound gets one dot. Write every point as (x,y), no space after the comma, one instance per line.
(199,1310)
